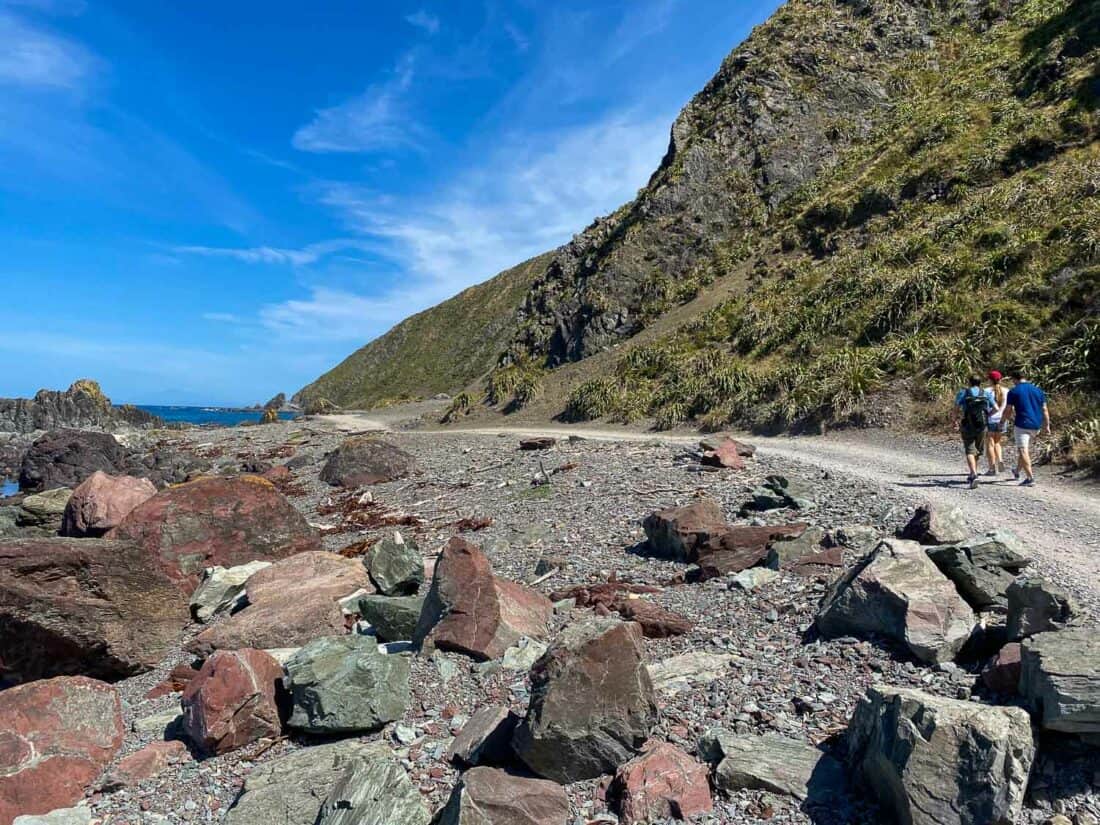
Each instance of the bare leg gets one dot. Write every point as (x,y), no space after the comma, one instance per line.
(1025,463)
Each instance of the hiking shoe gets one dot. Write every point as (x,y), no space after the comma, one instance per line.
(973,482)
(991,472)
(1000,466)
(1027,482)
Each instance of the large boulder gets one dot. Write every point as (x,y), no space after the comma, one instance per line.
(490,796)
(1037,606)
(677,533)
(64,458)
(101,502)
(232,702)
(659,784)
(396,566)
(897,592)
(222,589)
(935,524)
(344,684)
(56,737)
(373,788)
(394,618)
(216,521)
(936,761)
(290,603)
(982,567)
(770,762)
(44,510)
(471,611)
(1060,679)
(486,739)
(83,606)
(361,460)
(592,702)
(293,788)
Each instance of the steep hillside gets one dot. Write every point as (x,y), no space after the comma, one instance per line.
(439,350)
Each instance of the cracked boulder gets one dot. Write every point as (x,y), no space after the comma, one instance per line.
(982,567)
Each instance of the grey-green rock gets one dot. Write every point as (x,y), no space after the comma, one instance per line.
(982,567)
(791,548)
(220,589)
(936,761)
(343,684)
(80,815)
(45,509)
(373,788)
(1060,679)
(393,618)
(396,566)
(771,762)
(1036,605)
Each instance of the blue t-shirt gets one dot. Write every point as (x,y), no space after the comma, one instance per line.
(1027,400)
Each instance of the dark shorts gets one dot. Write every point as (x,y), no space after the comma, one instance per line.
(973,443)
(997,426)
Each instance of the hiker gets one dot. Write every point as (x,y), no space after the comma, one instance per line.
(974,407)
(1027,410)
(993,449)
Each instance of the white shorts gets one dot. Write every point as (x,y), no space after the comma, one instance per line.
(1023,438)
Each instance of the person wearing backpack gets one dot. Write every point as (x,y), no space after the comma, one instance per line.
(1027,410)
(974,407)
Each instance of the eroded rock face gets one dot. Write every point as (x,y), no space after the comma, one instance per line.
(592,702)
(84,606)
(490,796)
(659,784)
(897,592)
(471,611)
(101,502)
(373,788)
(935,761)
(1060,679)
(231,703)
(64,458)
(216,521)
(678,533)
(770,762)
(362,460)
(343,684)
(83,405)
(982,567)
(56,737)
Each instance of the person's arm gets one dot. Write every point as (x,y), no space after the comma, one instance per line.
(1046,419)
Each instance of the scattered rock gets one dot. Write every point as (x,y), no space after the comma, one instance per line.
(373,788)
(785,550)
(770,762)
(778,493)
(64,458)
(935,761)
(1060,679)
(522,655)
(83,606)
(160,724)
(592,702)
(677,533)
(396,566)
(654,620)
(1037,606)
(221,588)
(101,502)
(363,460)
(80,815)
(216,521)
(983,567)
(935,524)
(713,442)
(44,510)
(725,455)
(486,739)
(741,547)
(1002,673)
(695,667)
(393,618)
(490,796)
(56,737)
(753,578)
(661,783)
(471,611)
(145,764)
(232,703)
(343,684)
(542,443)
(897,592)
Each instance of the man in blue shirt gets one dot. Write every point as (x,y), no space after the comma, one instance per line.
(974,407)
(1027,408)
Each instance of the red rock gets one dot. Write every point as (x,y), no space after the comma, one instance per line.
(84,606)
(292,602)
(146,763)
(278,474)
(101,502)
(655,621)
(1002,673)
(56,737)
(471,611)
(489,796)
(661,783)
(176,681)
(216,521)
(813,564)
(677,533)
(740,547)
(726,455)
(232,701)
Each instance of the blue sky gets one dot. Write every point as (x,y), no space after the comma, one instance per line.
(214,202)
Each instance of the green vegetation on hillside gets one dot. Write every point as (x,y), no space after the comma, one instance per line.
(440,350)
(962,234)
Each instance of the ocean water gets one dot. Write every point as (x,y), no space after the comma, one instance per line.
(8,488)
(209,416)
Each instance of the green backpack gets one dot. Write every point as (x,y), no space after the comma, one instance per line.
(975,419)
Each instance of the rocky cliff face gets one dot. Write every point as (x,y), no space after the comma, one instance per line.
(783,107)
(82,406)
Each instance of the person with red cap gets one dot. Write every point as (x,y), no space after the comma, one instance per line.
(994,450)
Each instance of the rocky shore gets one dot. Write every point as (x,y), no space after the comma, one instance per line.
(554,631)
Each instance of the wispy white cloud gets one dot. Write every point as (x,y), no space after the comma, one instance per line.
(33,57)
(518,38)
(643,21)
(304,256)
(222,317)
(423,19)
(376,119)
